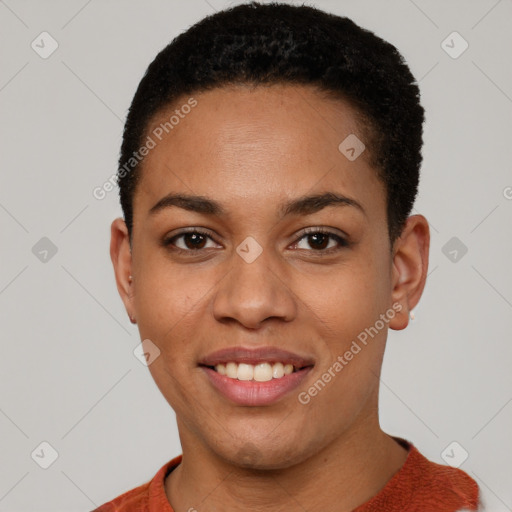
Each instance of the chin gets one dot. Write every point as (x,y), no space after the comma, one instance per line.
(262,457)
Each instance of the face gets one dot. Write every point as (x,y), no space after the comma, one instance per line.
(255,273)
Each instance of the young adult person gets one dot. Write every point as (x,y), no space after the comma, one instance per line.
(269,165)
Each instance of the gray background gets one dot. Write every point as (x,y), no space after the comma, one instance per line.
(68,373)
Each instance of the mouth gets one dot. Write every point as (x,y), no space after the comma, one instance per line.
(255,377)
(260,372)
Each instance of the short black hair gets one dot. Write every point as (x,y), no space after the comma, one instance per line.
(278,43)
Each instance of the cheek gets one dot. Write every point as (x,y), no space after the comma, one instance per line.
(169,318)
(167,293)
(348,321)
(346,301)
(346,383)
(168,309)
(174,327)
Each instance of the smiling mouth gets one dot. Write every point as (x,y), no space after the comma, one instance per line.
(255,377)
(261,372)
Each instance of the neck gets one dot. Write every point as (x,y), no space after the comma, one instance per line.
(345,474)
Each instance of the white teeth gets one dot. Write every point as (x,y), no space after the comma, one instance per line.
(262,372)
(231,370)
(278,370)
(245,371)
(288,368)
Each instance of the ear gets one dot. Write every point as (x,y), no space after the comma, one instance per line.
(121,255)
(410,266)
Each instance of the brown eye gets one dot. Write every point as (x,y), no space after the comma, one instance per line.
(188,241)
(318,240)
(193,240)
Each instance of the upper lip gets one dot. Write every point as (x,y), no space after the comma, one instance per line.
(255,356)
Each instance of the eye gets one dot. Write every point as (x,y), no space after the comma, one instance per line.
(319,239)
(192,240)
(195,240)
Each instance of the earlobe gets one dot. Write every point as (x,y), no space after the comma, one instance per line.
(121,256)
(132,318)
(410,266)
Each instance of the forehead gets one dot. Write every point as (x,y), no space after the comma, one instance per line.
(254,144)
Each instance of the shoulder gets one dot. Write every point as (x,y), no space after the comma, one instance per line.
(444,487)
(146,497)
(135,499)
(425,485)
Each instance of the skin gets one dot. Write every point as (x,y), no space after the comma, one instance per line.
(250,149)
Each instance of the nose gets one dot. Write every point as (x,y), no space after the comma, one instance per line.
(255,290)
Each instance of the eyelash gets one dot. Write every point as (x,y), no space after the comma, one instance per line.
(343,243)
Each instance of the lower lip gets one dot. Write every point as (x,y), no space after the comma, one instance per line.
(253,393)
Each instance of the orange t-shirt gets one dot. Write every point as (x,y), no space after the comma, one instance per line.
(418,486)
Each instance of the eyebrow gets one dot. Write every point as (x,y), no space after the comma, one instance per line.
(304,205)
